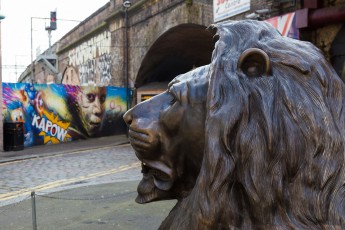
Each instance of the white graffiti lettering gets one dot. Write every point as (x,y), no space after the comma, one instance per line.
(88,50)
(86,72)
(46,126)
(42,125)
(35,121)
(104,66)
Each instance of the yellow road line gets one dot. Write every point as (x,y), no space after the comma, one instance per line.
(39,188)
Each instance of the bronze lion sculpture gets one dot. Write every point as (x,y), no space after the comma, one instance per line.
(167,133)
(274,137)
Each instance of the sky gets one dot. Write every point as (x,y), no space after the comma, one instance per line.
(16,28)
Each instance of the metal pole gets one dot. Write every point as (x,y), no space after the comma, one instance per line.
(49,38)
(32,55)
(32,58)
(33,205)
(126,5)
(126,56)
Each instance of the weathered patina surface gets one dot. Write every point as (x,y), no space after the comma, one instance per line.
(274,137)
(167,134)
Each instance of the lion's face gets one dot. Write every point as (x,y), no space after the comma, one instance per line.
(167,134)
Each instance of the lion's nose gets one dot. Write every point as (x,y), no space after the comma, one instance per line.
(128,117)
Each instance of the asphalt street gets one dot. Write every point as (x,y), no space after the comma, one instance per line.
(84,185)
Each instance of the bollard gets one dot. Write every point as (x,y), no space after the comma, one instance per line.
(33,205)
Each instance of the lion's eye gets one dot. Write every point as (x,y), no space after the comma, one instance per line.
(172,99)
(172,95)
(254,63)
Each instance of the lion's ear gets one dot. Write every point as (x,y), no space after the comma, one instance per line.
(254,62)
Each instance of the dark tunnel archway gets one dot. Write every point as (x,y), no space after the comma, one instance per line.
(177,51)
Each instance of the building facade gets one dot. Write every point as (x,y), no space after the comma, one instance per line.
(144,46)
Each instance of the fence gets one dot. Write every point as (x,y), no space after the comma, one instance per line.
(107,206)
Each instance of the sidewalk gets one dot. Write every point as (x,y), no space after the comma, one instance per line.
(73,146)
(101,206)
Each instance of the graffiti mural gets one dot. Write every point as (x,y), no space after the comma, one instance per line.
(53,113)
(87,72)
(92,60)
(104,67)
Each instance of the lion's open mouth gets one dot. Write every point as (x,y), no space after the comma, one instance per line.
(162,180)
(154,186)
(159,175)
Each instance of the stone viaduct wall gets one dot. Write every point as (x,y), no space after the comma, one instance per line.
(94,52)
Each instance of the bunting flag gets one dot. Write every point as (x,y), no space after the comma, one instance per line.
(285,24)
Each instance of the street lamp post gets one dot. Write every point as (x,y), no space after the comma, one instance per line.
(32,56)
(126,5)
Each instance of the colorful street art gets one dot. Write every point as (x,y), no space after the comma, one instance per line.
(60,113)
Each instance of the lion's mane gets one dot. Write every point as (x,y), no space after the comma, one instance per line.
(274,155)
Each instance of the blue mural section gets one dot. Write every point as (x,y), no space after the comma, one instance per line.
(57,113)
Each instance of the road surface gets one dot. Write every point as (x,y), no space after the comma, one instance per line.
(92,189)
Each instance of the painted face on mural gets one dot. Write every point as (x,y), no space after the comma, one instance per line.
(17,115)
(91,101)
